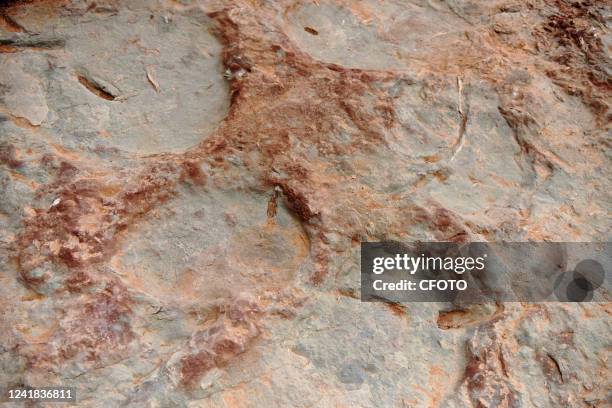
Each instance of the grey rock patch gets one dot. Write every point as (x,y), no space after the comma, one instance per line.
(22,94)
(371,34)
(100,78)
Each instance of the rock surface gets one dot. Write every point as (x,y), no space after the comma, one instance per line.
(185,185)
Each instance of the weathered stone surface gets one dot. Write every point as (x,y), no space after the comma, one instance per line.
(185,185)
(160,70)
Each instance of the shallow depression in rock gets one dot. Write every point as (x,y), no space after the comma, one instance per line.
(210,246)
(144,78)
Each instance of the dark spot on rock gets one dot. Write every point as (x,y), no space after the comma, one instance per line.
(311,30)
(193,366)
(191,171)
(77,281)
(8,155)
(68,257)
(396,308)
(66,170)
(298,203)
(95,88)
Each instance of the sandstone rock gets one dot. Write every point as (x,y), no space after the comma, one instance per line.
(185,185)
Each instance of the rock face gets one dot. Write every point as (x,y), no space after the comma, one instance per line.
(185,185)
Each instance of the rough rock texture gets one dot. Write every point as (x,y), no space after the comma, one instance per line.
(185,185)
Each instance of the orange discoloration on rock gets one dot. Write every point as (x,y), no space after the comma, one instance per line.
(193,172)
(318,133)
(217,345)
(8,156)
